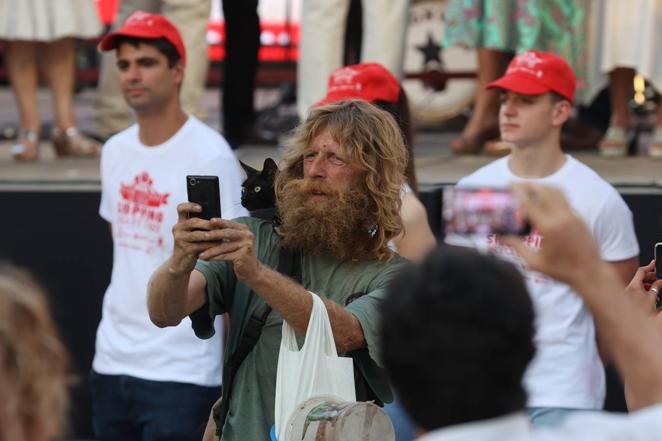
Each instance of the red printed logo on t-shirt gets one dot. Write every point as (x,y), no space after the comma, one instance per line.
(139,217)
(533,240)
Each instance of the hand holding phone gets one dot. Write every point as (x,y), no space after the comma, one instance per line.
(204,191)
(483,211)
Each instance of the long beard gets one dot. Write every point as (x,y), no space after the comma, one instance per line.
(339,225)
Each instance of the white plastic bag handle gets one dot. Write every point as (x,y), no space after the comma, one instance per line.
(318,326)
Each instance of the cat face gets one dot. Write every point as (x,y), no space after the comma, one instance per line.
(257,191)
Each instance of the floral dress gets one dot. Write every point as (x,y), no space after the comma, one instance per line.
(557,26)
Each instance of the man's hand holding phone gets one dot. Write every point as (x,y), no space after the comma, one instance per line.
(192,237)
(191,232)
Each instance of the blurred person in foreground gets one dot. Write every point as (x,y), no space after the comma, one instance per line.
(33,362)
(567,373)
(147,383)
(471,387)
(338,198)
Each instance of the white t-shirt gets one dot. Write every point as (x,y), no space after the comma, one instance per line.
(643,425)
(566,370)
(141,188)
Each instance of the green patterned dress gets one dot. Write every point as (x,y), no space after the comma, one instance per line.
(514,26)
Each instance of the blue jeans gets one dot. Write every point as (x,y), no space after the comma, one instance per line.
(402,423)
(131,409)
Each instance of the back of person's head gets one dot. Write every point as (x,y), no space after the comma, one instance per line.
(33,361)
(374,83)
(457,335)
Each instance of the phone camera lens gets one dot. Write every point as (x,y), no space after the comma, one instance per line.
(192,181)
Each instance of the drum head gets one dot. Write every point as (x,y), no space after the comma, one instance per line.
(423,52)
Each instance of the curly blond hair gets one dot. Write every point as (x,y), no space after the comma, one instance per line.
(33,361)
(371,138)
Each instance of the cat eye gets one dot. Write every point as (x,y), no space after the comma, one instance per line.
(257,189)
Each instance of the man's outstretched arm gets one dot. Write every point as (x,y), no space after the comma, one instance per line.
(175,289)
(235,243)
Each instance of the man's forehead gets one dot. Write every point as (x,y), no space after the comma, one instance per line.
(506,92)
(326,139)
(142,50)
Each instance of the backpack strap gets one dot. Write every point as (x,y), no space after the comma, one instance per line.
(289,264)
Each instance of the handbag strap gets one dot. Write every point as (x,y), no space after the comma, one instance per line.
(289,264)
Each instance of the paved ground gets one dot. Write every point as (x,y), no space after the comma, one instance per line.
(434,163)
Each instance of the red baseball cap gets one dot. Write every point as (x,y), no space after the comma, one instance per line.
(368,81)
(537,72)
(145,25)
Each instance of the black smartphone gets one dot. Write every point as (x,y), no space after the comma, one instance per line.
(483,211)
(204,191)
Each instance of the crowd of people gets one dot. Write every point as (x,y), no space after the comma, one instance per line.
(482,337)
(581,31)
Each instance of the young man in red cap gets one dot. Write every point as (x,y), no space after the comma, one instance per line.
(148,383)
(567,372)
(191,17)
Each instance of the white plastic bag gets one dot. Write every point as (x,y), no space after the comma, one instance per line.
(314,370)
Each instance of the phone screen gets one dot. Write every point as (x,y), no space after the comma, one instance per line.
(204,191)
(483,211)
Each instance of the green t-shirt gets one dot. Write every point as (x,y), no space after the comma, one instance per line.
(251,413)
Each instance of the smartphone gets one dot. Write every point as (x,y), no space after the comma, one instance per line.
(483,211)
(204,191)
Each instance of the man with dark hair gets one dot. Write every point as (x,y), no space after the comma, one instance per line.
(191,18)
(338,199)
(567,373)
(148,384)
(458,334)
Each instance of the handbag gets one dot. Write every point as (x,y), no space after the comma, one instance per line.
(315,369)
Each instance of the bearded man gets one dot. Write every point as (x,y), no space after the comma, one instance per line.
(338,198)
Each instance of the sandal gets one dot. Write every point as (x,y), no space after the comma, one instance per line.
(655,147)
(27,146)
(72,142)
(472,145)
(615,142)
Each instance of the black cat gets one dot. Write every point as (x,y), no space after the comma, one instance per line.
(257,191)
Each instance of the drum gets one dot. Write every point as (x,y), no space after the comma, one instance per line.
(331,419)
(453,69)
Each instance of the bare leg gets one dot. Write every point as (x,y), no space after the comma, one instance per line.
(620,92)
(615,141)
(658,115)
(655,146)
(485,116)
(21,64)
(491,65)
(59,64)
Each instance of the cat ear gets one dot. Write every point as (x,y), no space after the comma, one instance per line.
(248,169)
(270,166)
